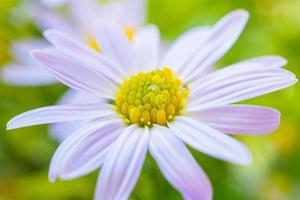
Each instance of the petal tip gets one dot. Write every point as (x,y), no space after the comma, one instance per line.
(11,125)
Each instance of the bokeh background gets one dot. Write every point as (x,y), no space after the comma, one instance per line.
(274,28)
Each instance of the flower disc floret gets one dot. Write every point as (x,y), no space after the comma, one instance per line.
(151,98)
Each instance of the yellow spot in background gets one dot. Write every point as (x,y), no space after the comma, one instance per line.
(151,98)
(285,138)
(276,186)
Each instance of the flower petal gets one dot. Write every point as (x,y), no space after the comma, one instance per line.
(138,11)
(123,164)
(178,165)
(26,75)
(75,97)
(48,19)
(115,44)
(147,44)
(220,39)
(213,46)
(239,119)
(85,20)
(210,141)
(63,129)
(59,113)
(263,61)
(84,150)
(75,74)
(238,82)
(182,49)
(85,54)
(20,50)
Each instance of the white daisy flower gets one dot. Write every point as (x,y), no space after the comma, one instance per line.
(156,104)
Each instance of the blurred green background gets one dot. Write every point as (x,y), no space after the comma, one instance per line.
(274,28)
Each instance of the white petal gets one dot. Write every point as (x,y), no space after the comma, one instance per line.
(85,54)
(63,129)
(213,46)
(59,113)
(75,97)
(138,12)
(126,12)
(20,50)
(85,13)
(178,165)
(239,119)
(238,82)
(74,158)
(48,19)
(210,141)
(115,44)
(26,75)
(265,61)
(184,47)
(147,44)
(75,74)
(123,164)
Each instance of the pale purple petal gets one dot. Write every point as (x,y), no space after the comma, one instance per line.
(85,54)
(147,44)
(239,119)
(269,60)
(59,113)
(129,12)
(75,97)
(126,12)
(85,20)
(62,130)
(75,74)
(184,47)
(178,165)
(20,50)
(84,150)
(48,19)
(138,14)
(210,141)
(26,75)
(115,45)
(238,82)
(213,46)
(123,164)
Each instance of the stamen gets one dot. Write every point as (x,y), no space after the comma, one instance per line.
(151,98)
(92,42)
(130,32)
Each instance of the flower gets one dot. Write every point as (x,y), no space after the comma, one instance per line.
(156,105)
(85,14)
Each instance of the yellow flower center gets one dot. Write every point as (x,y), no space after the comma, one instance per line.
(151,98)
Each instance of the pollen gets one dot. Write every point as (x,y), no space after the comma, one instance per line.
(130,32)
(151,98)
(92,42)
